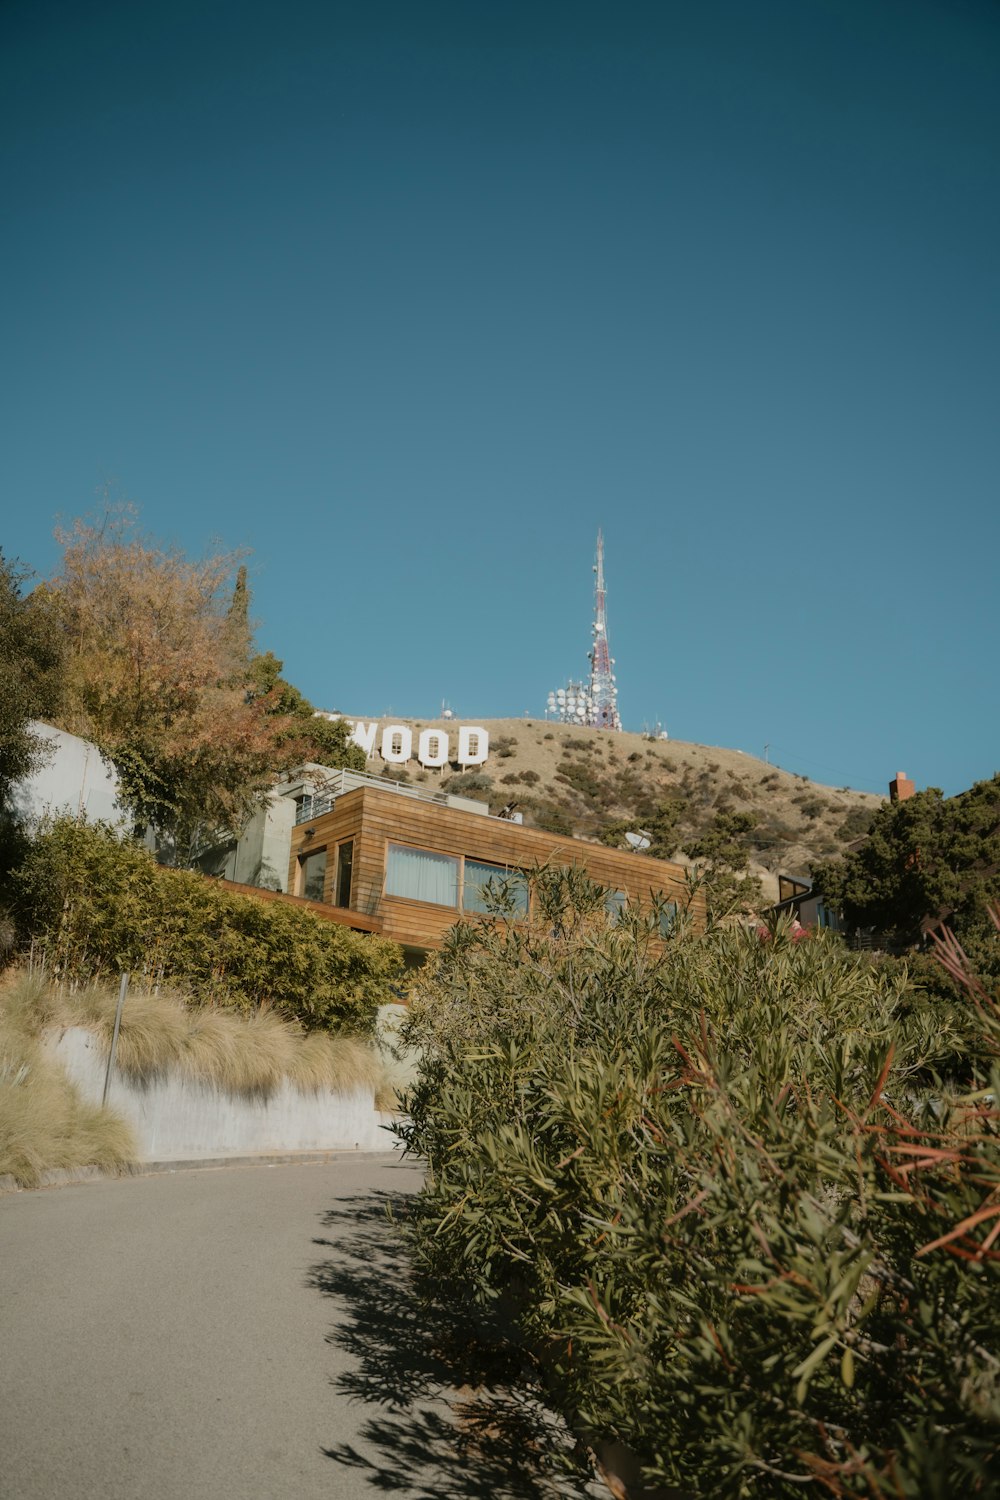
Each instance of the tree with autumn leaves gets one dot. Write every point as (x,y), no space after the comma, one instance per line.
(161,675)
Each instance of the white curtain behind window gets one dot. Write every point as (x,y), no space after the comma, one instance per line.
(487,886)
(422,876)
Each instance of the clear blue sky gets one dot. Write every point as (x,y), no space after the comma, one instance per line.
(410,297)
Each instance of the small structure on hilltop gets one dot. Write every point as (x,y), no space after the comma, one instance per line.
(596,702)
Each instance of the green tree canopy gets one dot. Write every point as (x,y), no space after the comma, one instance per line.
(31,664)
(658,823)
(722,854)
(928,859)
(304,735)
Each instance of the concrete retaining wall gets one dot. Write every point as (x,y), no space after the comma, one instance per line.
(176,1118)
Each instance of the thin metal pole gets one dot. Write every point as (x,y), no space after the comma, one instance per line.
(122,991)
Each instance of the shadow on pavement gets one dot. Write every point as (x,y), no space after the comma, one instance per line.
(449,1413)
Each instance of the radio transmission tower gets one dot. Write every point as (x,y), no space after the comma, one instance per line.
(596,702)
(603,689)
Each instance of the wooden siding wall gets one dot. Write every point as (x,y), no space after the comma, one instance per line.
(374,818)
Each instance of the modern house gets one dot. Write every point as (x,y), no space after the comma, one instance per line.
(259,857)
(409,866)
(371,853)
(798,899)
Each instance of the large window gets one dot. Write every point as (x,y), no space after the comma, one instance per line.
(491,888)
(312,874)
(422,875)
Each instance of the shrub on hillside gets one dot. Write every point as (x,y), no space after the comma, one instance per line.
(547,814)
(92,903)
(474,784)
(741,1194)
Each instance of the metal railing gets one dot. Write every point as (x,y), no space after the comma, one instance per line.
(315,804)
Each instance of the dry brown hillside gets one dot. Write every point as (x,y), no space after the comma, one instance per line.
(583,781)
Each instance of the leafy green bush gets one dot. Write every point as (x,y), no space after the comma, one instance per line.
(588,784)
(925,859)
(92,903)
(740,1195)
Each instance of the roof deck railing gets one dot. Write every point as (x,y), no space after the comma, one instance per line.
(336,783)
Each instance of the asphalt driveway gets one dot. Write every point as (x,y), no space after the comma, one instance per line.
(248,1333)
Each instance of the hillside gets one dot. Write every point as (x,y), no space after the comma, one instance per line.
(582,781)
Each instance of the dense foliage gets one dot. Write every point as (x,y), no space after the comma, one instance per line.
(722,859)
(162,676)
(303,735)
(927,859)
(92,904)
(739,1197)
(31,669)
(157,654)
(658,822)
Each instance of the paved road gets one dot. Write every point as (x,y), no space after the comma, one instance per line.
(239,1334)
(165,1336)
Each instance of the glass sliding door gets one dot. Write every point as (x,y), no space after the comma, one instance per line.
(345,868)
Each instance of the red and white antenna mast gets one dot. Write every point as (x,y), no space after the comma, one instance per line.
(596,701)
(603,692)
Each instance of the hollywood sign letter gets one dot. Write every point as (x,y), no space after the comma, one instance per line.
(396,745)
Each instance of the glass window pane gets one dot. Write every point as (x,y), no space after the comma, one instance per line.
(345,863)
(422,875)
(668,916)
(491,888)
(614,904)
(313,874)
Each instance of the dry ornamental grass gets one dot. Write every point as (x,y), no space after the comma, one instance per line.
(43,1121)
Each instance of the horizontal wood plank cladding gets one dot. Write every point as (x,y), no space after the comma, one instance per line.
(341,823)
(338,914)
(416,924)
(374,818)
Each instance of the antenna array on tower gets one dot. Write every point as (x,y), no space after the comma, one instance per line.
(595,703)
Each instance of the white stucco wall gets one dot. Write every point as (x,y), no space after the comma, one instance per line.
(74,779)
(177,1119)
(261,856)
